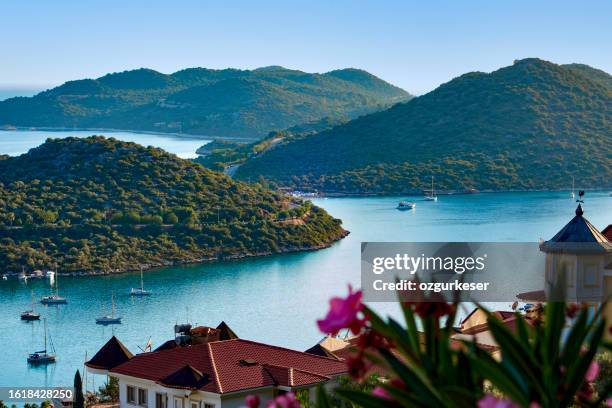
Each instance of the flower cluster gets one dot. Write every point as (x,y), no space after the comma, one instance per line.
(287,400)
(343,314)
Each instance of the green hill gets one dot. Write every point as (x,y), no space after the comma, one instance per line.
(532,125)
(98,204)
(225,103)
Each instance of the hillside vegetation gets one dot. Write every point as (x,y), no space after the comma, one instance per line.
(225,103)
(98,204)
(222,155)
(532,125)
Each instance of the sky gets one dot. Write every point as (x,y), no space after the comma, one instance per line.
(416,45)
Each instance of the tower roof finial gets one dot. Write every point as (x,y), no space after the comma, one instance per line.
(579,210)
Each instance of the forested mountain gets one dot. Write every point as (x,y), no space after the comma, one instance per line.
(97,204)
(531,125)
(227,103)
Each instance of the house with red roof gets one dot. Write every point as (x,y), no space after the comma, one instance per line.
(214,369)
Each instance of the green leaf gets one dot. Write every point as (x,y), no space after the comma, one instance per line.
(515,354)
(499,376)
(577,371)
(322,399)
(414,379)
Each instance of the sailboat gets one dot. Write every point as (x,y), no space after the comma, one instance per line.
(30,314)
(110,319)
(55,298)
(432,194)
(141,291)
(573,195)
(43,356)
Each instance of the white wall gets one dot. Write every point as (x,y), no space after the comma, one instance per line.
(153,388)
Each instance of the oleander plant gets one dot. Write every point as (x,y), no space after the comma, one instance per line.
(555,357)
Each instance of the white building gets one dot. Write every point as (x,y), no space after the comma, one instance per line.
(210,372)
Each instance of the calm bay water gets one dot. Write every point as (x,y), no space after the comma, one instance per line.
(273,299)
(16,142)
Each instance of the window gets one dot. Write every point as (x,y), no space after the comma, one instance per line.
(178,402)
(131,394)
(195,404)
(142,397)
(160,400)
(209,405)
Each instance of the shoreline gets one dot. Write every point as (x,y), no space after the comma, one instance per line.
(201,261)
(113,130)
(323,194)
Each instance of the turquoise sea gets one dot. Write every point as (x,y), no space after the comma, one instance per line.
(272,299)
(16,142)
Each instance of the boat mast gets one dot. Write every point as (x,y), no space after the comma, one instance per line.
(45,335)
(113,306)
(141,280)
(432,187)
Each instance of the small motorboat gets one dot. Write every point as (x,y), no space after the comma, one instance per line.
(43,356)
(53,300)
(110,319)
(406,205)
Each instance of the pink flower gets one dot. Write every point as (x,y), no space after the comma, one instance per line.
(343,313)
(357,366)
(284,401)
(252,401)
(380,392)
(489,401)
(592,372)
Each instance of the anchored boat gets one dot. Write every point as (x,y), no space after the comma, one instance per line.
(55,298)
(30,314)
(110,319)
(141,291)
(432,194)
(405,205)
(43,356)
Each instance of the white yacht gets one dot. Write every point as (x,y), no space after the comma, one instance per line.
(141,291)
(55,298)
(432,193)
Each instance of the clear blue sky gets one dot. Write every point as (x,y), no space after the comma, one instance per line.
(414,44)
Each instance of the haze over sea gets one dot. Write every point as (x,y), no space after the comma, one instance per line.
(271,299)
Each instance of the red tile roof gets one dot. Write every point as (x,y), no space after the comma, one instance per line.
(234,365)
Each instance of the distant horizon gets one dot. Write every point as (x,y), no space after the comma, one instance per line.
(6,90)
(414,45)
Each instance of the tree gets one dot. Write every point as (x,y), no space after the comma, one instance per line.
(79,400)
(110,390)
